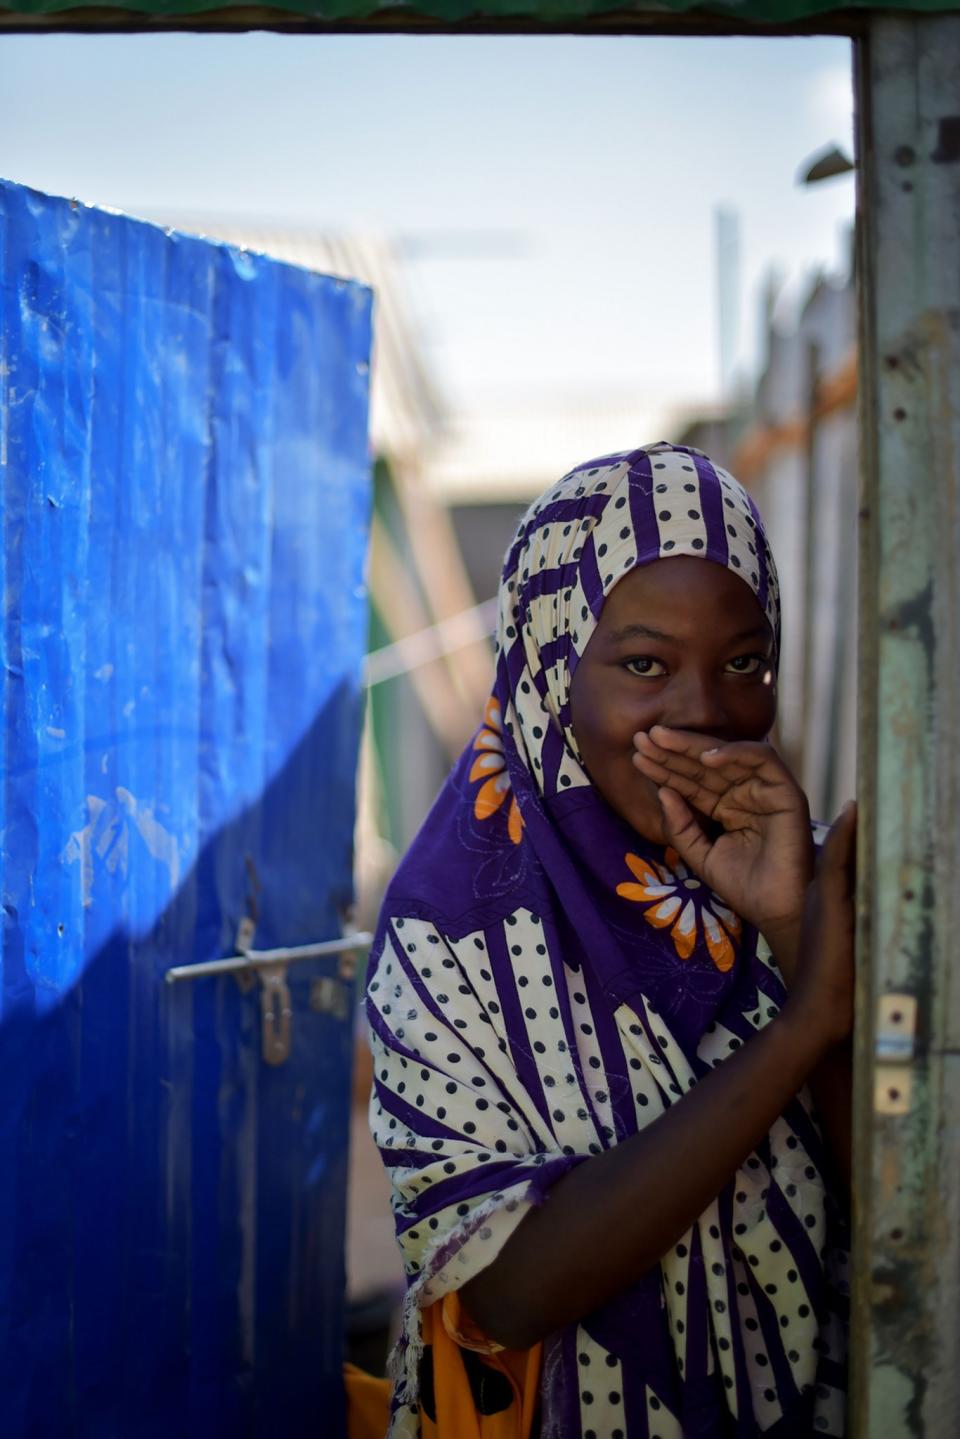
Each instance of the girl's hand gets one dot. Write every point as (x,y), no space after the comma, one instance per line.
(821,997)
(762,861)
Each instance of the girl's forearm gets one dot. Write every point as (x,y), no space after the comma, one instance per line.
(613,1217)
(831,1081)
(831,1084)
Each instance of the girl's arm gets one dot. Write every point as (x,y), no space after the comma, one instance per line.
(831,1081)
(612,1218)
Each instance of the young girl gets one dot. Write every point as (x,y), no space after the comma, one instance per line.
(609,1003)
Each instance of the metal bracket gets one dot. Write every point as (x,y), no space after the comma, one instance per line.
(276,1012)
(894,1052)
(327,995)
(245,931)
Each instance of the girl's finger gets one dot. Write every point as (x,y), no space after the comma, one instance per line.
(679,764)
(836,862)
(691,789)
(735,760)
(748,754)
(682,830)
(754,797)
(682,741)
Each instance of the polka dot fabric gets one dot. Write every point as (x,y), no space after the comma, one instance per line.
(524,1017)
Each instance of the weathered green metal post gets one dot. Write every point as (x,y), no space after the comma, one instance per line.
(906,1301)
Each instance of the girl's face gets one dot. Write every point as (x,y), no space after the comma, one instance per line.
(681,642)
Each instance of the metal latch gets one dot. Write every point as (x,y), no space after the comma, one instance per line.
(269,966)
(275,1014)
(893,1053)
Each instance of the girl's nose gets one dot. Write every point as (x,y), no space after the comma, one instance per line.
(697,704)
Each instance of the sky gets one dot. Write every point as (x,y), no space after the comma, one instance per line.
(553,198)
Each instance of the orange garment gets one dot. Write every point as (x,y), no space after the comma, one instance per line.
(506,1381)
(450,1332)
(368,1403)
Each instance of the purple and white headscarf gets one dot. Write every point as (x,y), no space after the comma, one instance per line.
(544,982)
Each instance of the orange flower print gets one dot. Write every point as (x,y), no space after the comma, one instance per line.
(491,767)
(677,898)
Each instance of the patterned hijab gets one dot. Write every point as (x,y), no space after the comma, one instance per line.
(545,982)
(575,544)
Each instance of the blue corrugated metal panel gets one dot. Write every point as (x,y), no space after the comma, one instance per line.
(185,480)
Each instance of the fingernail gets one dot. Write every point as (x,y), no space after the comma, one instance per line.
(715,750)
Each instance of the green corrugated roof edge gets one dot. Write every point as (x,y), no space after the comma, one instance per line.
(452,12)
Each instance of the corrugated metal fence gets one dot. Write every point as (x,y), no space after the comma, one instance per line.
(185,492)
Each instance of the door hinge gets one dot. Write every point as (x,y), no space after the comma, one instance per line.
(894,1052)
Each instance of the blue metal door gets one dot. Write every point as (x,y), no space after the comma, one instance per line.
(185,491)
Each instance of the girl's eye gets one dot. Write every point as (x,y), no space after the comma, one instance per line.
(746,664)
(646,667)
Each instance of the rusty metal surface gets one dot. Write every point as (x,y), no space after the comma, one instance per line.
(906,1378)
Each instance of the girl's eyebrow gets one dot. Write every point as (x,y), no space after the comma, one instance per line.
(639,632)
(644,632)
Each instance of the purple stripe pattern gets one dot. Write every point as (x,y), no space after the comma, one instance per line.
(712,508)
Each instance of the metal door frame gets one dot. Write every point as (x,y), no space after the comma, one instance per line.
(906,1300)
(905,1292)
